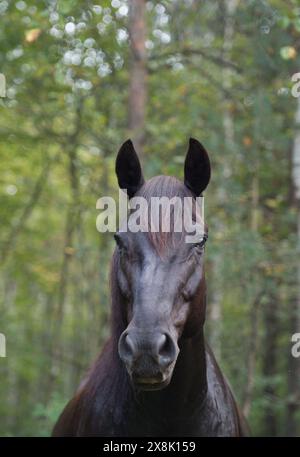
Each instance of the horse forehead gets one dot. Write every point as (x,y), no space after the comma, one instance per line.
(161,267)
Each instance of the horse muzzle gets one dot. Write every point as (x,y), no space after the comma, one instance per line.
(149,357)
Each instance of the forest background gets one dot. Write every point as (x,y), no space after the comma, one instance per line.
(80,79)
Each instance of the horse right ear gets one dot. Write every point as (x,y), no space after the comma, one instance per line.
(196,168)
(128,169)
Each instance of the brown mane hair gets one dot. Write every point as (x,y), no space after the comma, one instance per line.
(165,186)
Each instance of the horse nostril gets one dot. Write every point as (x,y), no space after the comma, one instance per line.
(126,347)
(166,349)
(162,344)
(128,343)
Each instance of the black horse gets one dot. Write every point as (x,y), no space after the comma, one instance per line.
(156,376)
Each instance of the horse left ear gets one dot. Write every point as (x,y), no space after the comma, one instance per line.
(128,169)
(196,168)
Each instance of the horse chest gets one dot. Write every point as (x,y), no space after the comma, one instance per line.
(141,422)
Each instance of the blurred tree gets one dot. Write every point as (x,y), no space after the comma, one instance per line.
(138,72)
(292,426)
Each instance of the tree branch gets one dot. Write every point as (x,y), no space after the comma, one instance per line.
(187,52)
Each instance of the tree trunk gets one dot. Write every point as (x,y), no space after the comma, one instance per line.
(251,356)
(228,123)
(228,126)
(294,364)
(254,308)
(71,227)
(138,72)
(270,364)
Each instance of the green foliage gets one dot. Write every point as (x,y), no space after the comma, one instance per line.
(44,416)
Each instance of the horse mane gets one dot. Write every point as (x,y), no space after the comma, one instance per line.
(165,186)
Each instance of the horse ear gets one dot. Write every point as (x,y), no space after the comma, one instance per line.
(128,169)
(196,168)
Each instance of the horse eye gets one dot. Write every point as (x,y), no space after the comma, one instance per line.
(119,241)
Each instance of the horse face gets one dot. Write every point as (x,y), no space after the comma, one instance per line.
(163,293)
(160,298)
